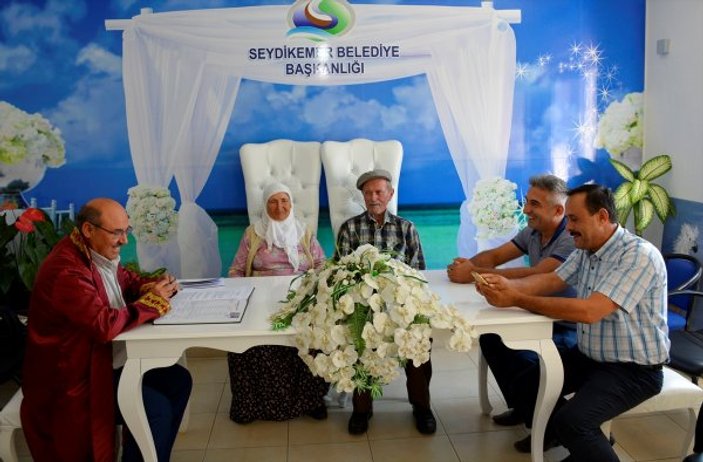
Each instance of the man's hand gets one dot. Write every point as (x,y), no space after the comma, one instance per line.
(497,290)
(166,287)
(460,270)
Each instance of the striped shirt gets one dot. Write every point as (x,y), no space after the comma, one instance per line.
(631,272)
(395,234)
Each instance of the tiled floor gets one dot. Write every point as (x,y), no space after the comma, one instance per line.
(463,434)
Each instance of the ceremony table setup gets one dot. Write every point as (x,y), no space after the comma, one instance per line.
(150,346)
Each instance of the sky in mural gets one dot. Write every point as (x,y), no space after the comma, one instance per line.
(574,58)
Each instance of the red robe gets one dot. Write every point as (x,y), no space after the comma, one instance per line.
(68,411)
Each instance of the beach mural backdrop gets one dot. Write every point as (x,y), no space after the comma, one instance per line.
(57,60)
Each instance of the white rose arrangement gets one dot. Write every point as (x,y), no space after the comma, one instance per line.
(359,318)
(152,214)
(621,125)
(494,208)
(25,137)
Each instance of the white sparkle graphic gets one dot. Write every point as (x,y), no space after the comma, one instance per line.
(593,55)
(521,70)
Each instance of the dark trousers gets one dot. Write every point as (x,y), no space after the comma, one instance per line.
(506,363)
(417,383)
(602,391)
(165,393)
(698,441)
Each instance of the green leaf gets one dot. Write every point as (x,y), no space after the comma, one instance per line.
(27,273)
(356,323)
(644,215)
(661,200)
(623,170)
(623,213)
(655,167)
(638,191)
(622,195)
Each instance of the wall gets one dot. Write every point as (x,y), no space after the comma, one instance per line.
(673,102)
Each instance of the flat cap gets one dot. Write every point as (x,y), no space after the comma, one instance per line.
(376,173)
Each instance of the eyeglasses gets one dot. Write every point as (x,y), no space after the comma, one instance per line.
(116,233)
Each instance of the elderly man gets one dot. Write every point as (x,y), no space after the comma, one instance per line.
(621,323)
(379,227)
(547,244)
(82,299)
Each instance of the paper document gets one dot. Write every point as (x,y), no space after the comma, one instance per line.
(214,305)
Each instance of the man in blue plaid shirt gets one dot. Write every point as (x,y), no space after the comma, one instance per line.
(620,311)
(382,229)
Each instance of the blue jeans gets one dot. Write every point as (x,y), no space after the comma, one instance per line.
(602,391)
(165,393)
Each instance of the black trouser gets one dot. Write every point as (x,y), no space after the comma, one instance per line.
(417,383)
(165,393)
(602,392)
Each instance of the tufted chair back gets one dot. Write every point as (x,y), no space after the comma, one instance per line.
(344,162)
(293,163)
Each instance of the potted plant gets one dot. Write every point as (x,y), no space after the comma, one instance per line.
(638,194)
(24,244)
(359,318)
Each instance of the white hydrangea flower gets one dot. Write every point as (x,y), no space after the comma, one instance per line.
(494,207)
(29,138)
(152,213)
(620,127)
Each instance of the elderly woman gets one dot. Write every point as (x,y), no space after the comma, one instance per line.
(271,382)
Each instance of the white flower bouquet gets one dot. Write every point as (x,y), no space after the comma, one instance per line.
(359,318)
(151,211)
(27,137)
(494,208)
(620,127)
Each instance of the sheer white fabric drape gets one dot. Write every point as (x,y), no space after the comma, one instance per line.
(197,233)
(182,71)
(152,118)
(472,85)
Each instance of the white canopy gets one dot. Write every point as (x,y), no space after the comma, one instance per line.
(182,72)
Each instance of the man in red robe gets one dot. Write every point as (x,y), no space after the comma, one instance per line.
(81,300)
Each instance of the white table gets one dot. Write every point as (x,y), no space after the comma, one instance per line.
(150,346)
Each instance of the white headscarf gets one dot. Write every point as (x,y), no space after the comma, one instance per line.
(284,234)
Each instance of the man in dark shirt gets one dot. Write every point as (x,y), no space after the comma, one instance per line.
(547,245)
(380,228)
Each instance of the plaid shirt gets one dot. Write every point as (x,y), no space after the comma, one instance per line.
(631,272)
(395,234)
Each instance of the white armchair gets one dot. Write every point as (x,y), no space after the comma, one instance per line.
(293,163)
(344,162)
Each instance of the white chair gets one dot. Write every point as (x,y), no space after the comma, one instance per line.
(293,163)
(344,162)
(9,422)
(677,393)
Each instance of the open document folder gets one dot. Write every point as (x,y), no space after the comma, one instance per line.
(201,306)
